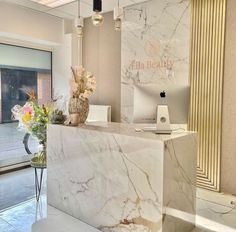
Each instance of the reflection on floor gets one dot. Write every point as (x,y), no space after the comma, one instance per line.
(21,217)
(216,212)
(17,187)
(58,221)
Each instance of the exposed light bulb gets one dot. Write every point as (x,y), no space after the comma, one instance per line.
(97,19)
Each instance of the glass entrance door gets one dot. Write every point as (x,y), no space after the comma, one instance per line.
(13,84)
(21,69)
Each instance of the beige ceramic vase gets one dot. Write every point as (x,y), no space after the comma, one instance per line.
(80,107)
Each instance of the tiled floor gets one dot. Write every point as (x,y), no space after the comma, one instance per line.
(21,217)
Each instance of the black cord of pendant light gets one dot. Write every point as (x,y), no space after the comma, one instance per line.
(78,8)
(97,5)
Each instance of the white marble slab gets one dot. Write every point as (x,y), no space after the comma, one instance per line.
(155,47)
(116,179)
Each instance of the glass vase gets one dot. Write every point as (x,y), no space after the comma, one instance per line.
(40,159)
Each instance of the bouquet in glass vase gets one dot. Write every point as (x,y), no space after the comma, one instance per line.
(83,85)
(33,119)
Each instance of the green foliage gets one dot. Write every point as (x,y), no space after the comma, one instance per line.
(38,123)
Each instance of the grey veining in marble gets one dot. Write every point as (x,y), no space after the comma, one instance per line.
(117,181)
(155,47)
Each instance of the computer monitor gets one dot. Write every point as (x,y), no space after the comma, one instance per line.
(148,97)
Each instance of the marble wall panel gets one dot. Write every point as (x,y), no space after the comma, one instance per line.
(154,47)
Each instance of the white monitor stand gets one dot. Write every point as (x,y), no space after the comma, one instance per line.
(163,120)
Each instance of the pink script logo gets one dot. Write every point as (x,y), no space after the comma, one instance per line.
(150,64)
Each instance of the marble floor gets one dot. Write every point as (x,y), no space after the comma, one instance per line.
(21,217)
(216,212)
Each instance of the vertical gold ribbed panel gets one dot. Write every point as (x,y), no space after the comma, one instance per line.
(206,80)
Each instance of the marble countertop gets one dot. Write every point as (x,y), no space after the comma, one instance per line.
(131,130)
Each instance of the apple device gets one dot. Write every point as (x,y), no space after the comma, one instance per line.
(161,104)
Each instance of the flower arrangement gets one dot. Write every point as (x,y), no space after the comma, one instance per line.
(33,119)
(83,83)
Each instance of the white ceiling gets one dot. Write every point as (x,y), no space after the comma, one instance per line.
(69,10)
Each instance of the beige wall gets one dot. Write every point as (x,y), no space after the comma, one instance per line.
(228,167)
(28,25)
(30,28)
(62,61)
(102,56)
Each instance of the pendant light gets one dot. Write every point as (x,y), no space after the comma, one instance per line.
(79,22)
(97,18)
(118,16)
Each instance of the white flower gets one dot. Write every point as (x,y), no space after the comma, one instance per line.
(83,84)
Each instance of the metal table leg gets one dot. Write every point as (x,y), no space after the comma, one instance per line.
(38,182)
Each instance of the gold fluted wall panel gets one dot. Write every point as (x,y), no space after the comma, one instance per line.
(206,80)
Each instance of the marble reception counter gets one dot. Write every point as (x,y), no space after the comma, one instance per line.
(116,179)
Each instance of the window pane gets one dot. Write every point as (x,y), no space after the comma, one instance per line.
(14,56)
(15,79)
